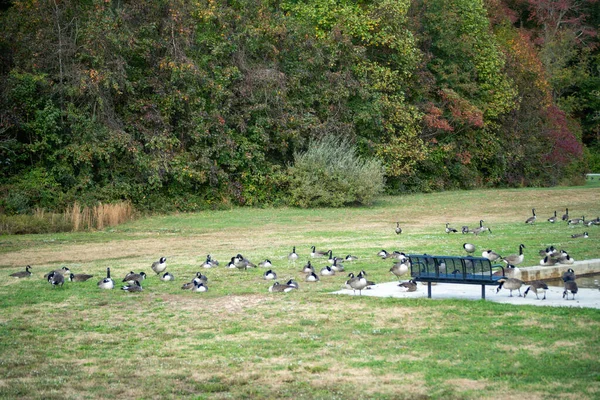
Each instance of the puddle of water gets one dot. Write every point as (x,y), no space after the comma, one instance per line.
(585,281)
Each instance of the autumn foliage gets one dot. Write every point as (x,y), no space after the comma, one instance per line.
(202,104)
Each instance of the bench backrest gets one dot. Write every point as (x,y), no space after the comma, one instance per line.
(451,268)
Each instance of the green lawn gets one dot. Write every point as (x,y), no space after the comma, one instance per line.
(240,341)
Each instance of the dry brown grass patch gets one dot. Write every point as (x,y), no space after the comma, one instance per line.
(532,349)
(468,384)
(407,384)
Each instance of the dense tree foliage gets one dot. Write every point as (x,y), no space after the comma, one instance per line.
(188,104)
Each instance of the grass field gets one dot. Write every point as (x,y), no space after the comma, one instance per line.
(240,341)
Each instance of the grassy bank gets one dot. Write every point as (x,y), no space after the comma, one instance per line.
(238,340)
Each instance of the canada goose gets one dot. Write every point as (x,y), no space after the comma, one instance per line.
(132,276)
(580,235)
(312,277)
(566,259)
(563,253)
(449,229)
(531,220)
(315,253)
(510,284)
(535,286)
(548,252)
(477,231)
(199,278)
(269,275)
(465,229)
(56,279)
(207,263)
(265,264)
(576,221)
(167,276)
(400,256)
(277,287)
(409,286)
(469,248)
(596,221)
(293,283)
(308,268)
(357,283)
(363,274)
(64,271)
(515,259)
(395,254)
(160,265)
(490,255)
(482,228)
(22,274)
(293,256)
(347,283)
(242,263)
(188,285)
(330,257)
(231,263)
(214,262)
(548,261)
(200,287)
(79,277)
(327,271)
(399,269)
(382,253)
(565,216)
(570,286)
(385,254)
(398,230)
(569,275)
(134,287)
(512,272)
(337,265)
(106,283)
(350,257)
(554,218)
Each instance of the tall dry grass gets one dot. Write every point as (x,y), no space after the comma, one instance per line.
(99,216)
(74,218)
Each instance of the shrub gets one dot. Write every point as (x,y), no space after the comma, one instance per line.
(592,154)
(331,174)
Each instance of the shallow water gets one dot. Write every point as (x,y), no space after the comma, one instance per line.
(586,281)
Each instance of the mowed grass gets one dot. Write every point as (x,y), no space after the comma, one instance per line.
(240,341)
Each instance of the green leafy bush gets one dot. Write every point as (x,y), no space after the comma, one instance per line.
(331,174)
(592,154)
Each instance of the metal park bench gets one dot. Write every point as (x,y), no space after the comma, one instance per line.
(450,269)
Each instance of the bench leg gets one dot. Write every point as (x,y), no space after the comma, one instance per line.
(483,292)
(428,290)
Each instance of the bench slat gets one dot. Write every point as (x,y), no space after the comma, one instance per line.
(452,269)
